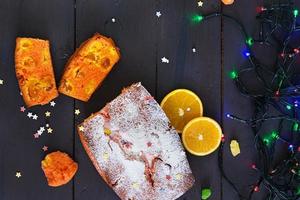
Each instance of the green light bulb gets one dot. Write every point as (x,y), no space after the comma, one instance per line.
(295,126)
(266,141)
(296,12)
(289,107)
(249,41)
(197,18)
(274,135)
(233,74)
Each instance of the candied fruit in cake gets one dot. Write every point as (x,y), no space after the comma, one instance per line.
(34,71)
(88,67)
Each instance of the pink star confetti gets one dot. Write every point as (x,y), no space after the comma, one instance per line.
(45,148)
(22,109)
(36,135)
(18,174)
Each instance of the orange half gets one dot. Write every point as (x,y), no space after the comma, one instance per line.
(181,106)
(202,136)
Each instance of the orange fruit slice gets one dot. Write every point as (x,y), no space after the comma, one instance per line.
(202,136)
(181,106)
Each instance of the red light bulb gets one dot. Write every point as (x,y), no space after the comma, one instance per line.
(253,166)
(256,189)
(260,9)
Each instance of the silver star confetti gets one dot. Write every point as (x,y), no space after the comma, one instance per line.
(194,50)
(52,103)
(113,20)
(164,60)
(35,117)
(29,114)
(1,82)
(158,14)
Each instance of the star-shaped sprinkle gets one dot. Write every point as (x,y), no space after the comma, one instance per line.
(52,103)
(77,112)
(1,82)
(45,148)
(47,114)
(36,135)
(81,128)
(42,128)
(22,109)
(194,50)
(113,20)
(200,3)
(164,60)
(158,14)
(39,132)
(35,117)
(18,174)
(29,114)
(50,130)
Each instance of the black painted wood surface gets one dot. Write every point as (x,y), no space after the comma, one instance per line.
(143,39)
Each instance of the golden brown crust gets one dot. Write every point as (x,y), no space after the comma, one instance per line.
(34,71)
(88,67)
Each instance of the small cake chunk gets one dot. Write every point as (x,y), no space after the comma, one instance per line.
(135,149)
(88,67)
(59,168)
(34,71)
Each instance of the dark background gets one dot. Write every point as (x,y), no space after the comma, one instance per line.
(143,39)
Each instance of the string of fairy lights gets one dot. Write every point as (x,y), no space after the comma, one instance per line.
(280,95)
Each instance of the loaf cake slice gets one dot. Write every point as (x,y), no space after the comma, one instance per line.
(34,71)
(135,149)
(88,67)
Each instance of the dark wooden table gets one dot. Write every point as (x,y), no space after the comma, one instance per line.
(143,39)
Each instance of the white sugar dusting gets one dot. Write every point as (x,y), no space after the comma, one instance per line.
(142,156)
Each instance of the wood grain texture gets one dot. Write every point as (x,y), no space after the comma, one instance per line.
(134,33)
(53,20)
(199,72)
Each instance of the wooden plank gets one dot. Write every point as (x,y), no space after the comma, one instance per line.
(134,32)
(199,72)
(238,169)
(53,20)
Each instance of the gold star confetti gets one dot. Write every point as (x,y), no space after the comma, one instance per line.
(49,130)
(107,131)
(105,156)
(48,114)
(77,112)
(81,128)
(178,176)
(18,174)
(135,185)
(1,82)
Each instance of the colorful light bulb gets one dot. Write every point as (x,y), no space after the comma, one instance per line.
(253,166)
(289,107)
(296,12)
(249,41)
(295,126)
(246,53)
(197,18)
(256,189)
(274,135)
(233,74)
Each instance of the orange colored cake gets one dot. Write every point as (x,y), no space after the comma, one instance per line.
(88,67)
(59,168)
(135,149)
(34,71)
